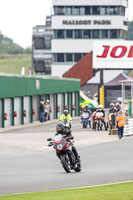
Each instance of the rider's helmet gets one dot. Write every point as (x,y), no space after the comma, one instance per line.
(112,105)
(65,112)
(117,105)
(60,128)
(100,106)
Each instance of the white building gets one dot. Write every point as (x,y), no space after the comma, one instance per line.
(76,23)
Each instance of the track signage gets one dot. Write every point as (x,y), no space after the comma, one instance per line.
(113,54)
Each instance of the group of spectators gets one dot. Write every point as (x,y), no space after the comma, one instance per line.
(44,110)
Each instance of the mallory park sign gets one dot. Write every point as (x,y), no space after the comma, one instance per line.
(86,22)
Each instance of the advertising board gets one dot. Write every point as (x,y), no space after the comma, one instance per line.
(112,54)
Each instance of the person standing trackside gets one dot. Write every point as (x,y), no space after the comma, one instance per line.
(120,123)
(47,109)
(41,111)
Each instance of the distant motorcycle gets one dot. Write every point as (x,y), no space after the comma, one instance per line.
(63,147)
(85,119)
(94,120)
(100,121)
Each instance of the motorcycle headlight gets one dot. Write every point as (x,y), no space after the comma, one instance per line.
(59,147)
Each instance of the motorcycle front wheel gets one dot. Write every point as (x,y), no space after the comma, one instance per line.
(66,164)
(78,168)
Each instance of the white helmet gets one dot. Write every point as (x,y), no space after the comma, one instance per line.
(117,104)
(100,106)
(112,105)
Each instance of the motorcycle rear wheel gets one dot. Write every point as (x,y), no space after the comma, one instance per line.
(66,164)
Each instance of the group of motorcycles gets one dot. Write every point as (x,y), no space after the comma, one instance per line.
(63,145)
(95,121)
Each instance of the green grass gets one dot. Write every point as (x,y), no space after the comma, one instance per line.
(123,191)
(14,63)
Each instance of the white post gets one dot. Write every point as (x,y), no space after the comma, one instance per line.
(123,96)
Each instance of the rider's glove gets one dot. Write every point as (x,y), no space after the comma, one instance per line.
(50,144)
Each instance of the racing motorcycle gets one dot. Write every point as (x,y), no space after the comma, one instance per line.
(67,124)
(85,119)
(100,121)
(63,146)
(94,120)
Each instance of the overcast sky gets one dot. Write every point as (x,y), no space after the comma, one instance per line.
(18,17)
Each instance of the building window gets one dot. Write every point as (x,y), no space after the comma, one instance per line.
(60,10)
(68,10)
(69,33)
(69,57)
(96,34)
(77,57)
(113,34)
(60,57)
(87,10)
(104,10)
(96,10)
(86,34)
(78,33)
(82,10)
(60,33)
(113,10)
(122,11)
(104,33)
(76,10)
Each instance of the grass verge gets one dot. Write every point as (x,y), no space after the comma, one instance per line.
(123,191)
(13,63)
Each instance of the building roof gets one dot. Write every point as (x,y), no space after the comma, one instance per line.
(117,80)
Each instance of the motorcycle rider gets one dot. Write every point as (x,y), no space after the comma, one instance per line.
(112,108)
(112,117)
(117,107)
(102,112)
(60,129)
(66,116)
(86,110)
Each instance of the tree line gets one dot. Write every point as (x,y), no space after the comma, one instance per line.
(7,46)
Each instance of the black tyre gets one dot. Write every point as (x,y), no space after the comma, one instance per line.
(95,126)
(98,126)
(90,124)
(66,164)
(78,168)
(84,125)
(101,127)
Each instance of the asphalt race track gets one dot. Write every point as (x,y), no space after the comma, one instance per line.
(27,164)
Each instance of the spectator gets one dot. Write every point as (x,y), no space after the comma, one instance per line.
(47,108)
(41,111)
(120,123)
